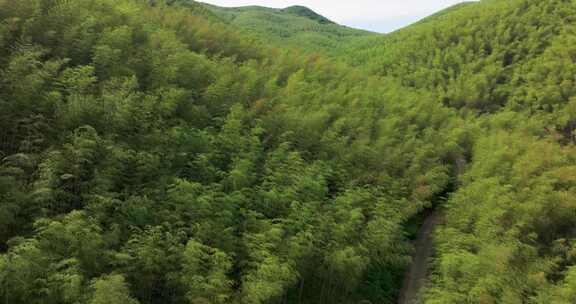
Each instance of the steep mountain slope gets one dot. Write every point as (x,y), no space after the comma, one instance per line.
(445,13)
(296,26)
(479,56)
(509,67)
(151,152)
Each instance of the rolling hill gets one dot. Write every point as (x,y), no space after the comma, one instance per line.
(296,27)
(156,152)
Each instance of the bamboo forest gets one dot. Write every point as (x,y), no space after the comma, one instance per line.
(171,151)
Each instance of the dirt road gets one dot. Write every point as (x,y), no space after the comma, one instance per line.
(418,271)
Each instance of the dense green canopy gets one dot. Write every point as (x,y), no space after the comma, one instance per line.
(172,152)
(295,27)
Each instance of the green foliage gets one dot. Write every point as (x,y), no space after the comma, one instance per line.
(295,27)
(306,12)
(206,274)
(508,228)
(150,152)
(111,289)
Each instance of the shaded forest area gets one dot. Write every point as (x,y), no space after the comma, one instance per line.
(154,152)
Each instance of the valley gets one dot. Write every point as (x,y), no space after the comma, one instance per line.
(172,151)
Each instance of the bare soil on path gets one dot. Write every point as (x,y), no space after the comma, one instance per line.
(417,273)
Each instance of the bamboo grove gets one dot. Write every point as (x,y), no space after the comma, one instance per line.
(154,152)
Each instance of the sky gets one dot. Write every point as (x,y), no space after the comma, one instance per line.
(375,15)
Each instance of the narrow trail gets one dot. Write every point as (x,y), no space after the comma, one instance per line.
(417,273)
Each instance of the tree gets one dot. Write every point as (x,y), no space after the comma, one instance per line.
(205,274)
(111,289)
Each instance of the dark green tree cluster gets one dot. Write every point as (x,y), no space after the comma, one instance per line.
(151,154)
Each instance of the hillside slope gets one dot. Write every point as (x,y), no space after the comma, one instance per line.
(508,67)
(296,26)
(154,153)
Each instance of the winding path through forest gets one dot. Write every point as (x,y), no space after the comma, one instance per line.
(418,271)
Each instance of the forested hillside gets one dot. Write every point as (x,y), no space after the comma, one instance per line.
(295,27)
(508,67)
(160,152)
(151,155)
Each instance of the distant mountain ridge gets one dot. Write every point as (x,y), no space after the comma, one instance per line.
(295,10)
(301,27)
(294,26)
(447,12)
(303,11)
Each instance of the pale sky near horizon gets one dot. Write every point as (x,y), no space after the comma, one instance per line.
(375,15)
